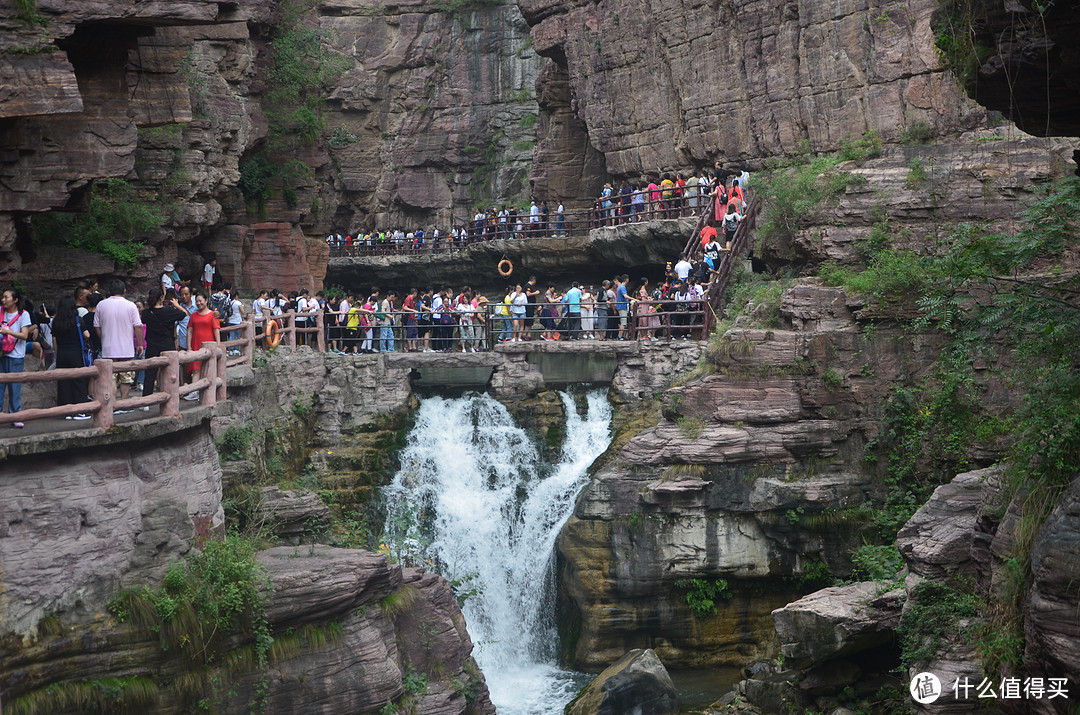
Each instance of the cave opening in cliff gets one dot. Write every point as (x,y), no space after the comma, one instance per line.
(1018,59)
(100,49)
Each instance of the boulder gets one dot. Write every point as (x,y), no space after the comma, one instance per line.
(636,683)
(937,541)
(291,514)
(837,621)
(829,677)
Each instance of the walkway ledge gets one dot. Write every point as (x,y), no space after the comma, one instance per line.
(18,444)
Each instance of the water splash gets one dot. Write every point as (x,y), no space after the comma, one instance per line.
(474,499)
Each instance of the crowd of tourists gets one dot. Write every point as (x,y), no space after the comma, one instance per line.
(183,315)
(87,325)
(668,195)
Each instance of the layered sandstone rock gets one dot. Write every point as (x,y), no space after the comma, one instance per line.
(699,82)
(442,106)
(346,649)
(915,193)
(836,622)
(1050,629)
(939,541)
(71,538)
(737,481)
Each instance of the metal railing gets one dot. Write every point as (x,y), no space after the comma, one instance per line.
(484,327)
(576,222)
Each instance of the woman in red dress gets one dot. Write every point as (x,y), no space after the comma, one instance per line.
(202,328)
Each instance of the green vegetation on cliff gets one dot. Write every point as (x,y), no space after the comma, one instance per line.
(1006,304)
(794,188)
(119,216)
(303,65)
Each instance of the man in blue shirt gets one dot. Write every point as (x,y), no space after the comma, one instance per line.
(573,311)
(622,304)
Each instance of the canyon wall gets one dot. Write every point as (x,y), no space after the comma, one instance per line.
(90,519)
(666,87)
(433,111)
(739,476)
(438,107)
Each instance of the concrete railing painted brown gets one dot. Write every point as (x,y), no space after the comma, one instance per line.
(210,384)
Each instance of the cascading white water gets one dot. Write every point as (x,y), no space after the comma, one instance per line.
(474,499)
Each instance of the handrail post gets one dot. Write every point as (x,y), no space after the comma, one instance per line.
(169,379)
(290,331)
(633,321)
(208,369)
(249,344)
(222,367)
(320,336)
(104,388)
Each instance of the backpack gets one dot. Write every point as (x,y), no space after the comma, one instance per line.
(730,222)
(219,303)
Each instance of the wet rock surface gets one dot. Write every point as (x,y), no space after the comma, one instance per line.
(637,682)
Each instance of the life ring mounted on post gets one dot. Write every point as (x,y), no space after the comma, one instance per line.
(505,267)
(273,334)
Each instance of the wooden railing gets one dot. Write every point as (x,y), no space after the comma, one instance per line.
(289,329)
(210,384)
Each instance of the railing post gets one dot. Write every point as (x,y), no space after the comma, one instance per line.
(290,331)
(169,381)
(104,388)
(208,369)
(320,336)
(222,370)
(632,316)
(248,349)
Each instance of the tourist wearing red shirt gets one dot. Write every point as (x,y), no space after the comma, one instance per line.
(203,328)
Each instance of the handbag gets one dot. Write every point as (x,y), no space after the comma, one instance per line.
(8,343)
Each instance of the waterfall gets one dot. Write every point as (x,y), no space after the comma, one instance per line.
(474,500)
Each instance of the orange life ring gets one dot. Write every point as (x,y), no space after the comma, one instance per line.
(509,267)
(273,334)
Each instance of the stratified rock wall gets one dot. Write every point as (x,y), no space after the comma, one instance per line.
(78,525)
(666,86)
(442,106)
(740,480)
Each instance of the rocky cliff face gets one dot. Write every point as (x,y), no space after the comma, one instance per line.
(72,538)
(86,517)
(434,110)
(439,106)
(914,195)
(744,478)
(695,82)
